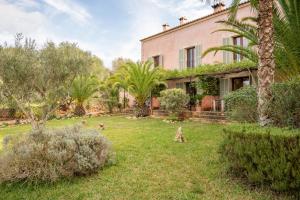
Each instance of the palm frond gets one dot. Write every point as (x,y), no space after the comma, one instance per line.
(83,88)
(248,53)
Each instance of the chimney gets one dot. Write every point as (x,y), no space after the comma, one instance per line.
(182,20)
(218,5)
(165,27)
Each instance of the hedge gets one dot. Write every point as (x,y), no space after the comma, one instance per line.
(283,110)
(269,156)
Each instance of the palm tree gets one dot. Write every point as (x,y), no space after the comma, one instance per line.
(82,89)
(120,80)
(287,43)
(266,61)
(110,93)
(287,31)
(141,79)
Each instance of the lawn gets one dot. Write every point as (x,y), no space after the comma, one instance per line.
(150,165)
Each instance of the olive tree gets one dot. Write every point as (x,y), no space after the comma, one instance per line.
(39,78)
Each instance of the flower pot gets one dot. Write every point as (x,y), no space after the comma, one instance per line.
(207,103)
(155,103)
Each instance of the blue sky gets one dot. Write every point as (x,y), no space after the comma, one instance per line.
(107,28)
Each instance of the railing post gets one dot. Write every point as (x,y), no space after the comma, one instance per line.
(214,105)
(222,106)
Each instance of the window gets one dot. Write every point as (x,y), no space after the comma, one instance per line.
(190,52)
(238,41)
(180,85)
(190,88)
(240,82)
(156,61)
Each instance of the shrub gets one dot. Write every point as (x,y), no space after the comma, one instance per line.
(173,100)
(285,107)
(48,155)
(264,156)
(242,104)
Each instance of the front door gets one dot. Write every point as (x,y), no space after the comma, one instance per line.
(240,82)
(191,90)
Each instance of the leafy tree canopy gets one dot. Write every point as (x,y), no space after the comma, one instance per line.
(32,76)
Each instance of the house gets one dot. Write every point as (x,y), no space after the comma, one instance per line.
(181,47)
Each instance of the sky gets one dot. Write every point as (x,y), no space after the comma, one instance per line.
(107,28)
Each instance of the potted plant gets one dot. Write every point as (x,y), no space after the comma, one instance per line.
(211,90)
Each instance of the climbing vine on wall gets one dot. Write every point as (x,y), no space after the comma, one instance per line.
(208,85)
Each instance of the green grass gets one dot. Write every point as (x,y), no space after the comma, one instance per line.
(150,165)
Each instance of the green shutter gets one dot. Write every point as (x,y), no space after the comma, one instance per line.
(230,54)
(227,56)
(181,59)
(180,85)
(198,51)
(224,87)
(161,61)
(225,52)
(221,87)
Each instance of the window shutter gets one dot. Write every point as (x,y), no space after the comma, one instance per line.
(180,85)
(181,59)
(227,56)
(225,52)
(221,87)
(198,50)
(184,59)
(161,60)
(245,42)
(230,54)
(224,87)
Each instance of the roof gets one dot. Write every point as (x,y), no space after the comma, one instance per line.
(191,22)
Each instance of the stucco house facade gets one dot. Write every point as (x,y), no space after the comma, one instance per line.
(181,47)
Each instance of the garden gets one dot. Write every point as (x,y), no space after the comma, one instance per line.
(74,130)
(148,165)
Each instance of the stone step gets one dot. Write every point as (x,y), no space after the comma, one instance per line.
(203,120)
(214,113)
(211,117)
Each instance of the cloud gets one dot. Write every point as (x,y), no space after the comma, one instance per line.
(148,16)
(145,19)
(38,20)
(189,8)
(41,20)
(15,19)
(74,10)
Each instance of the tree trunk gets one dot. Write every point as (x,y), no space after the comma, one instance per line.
(37,124)
(266,68)
(124,100)
(79,110)
(142,111)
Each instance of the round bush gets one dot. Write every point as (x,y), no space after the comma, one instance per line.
(48,155)
(242,104)
(173,100)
